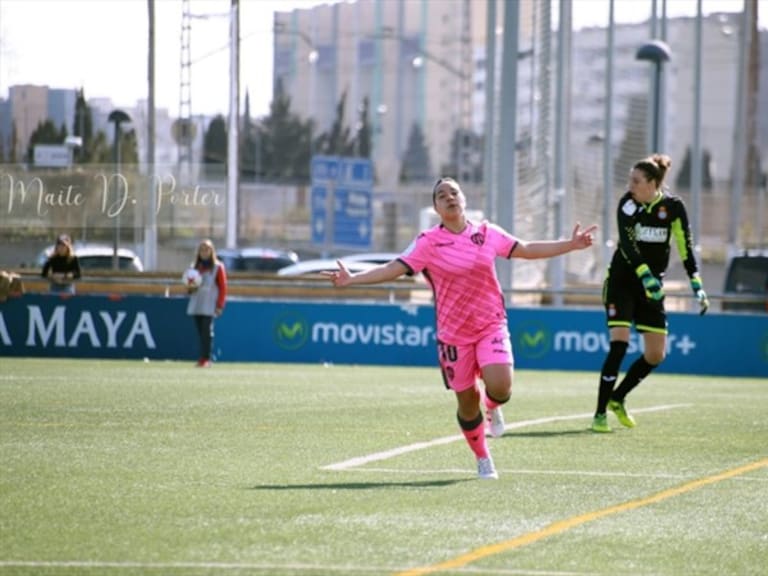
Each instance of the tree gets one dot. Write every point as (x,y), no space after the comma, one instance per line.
(416,165)
(465,162)
(129,149)
(684,175)
(99,149)
(215,149)
(250,167)
(285,141)
(45,133)
(337,142)
(83,127)
(364,132)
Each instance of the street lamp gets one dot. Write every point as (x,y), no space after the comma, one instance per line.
(657,52)
(117,117)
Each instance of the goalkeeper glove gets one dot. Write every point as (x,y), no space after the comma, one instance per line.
(651,285)
(701,296)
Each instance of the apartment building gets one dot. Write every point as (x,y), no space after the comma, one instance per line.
(720,49)
(414,61)
(26,107)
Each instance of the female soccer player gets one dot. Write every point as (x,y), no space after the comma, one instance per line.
(206,302)
(457,258)
(648,220)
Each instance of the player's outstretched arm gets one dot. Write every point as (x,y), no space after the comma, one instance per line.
(384,273)
(579,240)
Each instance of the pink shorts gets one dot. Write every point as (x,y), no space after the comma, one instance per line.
(461,365)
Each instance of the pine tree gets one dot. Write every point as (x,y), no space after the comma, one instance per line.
(83,127)
(215,149)
(45,133)
(416,165)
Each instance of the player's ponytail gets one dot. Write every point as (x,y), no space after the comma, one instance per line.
(655,168)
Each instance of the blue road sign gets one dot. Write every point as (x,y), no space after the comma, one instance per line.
(349,182)
(324,169)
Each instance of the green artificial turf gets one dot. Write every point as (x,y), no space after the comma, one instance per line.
(125,468)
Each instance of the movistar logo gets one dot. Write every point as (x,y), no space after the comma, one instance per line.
(291,331)
(533,340)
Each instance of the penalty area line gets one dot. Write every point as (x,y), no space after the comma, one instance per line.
(400,450)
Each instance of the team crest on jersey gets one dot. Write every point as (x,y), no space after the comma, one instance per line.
(629,207)
(662,214)
(478,238)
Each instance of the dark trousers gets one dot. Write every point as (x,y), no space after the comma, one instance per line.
(204,325)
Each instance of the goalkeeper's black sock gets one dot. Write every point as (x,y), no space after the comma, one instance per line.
(610,373)
(640,369)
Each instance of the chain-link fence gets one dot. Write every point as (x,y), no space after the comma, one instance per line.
(593,96)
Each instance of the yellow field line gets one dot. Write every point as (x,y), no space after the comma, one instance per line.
(568,523)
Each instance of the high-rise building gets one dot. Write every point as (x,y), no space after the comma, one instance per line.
(61,107)
(28,108)
(720,49)
(413,61)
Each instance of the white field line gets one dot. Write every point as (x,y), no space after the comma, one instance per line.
(268,568)
(472,473)
(164,566)
(399,451)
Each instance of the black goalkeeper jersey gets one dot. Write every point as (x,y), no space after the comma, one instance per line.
(646,232)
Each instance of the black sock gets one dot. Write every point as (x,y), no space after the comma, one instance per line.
(470,424)
(639,370)
(496,400)
(610,373)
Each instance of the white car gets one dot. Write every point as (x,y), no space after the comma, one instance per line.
(98,257)
(374,257)
(307,267)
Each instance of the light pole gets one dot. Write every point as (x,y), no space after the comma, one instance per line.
(117,117)
(658,52)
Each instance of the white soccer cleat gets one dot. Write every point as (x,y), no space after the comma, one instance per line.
(494,422)
(486,470)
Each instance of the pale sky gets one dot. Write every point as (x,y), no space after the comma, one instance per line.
(101,45)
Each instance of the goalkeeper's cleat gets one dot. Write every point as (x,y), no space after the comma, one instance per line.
(600,423)
(486,470)
(621,413)
(494,422)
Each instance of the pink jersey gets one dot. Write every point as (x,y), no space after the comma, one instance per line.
(461,269)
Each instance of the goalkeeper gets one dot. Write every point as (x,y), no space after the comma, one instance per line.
(649,219)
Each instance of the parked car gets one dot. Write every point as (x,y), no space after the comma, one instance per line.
(256,259)
(316,266)
(747,275)
(98,257)
(374,257)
